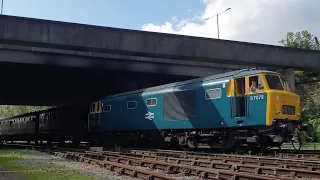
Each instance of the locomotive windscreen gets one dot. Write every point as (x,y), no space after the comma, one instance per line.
(179,105)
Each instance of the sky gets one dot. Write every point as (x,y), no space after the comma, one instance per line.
(257,21)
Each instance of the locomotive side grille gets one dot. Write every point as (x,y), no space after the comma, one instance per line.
(180,105)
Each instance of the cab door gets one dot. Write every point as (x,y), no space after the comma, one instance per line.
(239,102)
(94,116)
(256,99)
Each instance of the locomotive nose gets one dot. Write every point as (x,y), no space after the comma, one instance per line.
(287,106)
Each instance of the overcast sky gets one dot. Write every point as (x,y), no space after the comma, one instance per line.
(258,21)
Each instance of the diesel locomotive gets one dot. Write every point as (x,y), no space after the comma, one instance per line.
(246,108)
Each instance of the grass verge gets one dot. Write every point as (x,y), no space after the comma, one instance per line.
(28,167)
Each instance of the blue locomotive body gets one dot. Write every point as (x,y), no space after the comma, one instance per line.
(216,108)
(195,104)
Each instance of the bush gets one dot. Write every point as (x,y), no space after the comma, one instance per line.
(310,117)
(8,110)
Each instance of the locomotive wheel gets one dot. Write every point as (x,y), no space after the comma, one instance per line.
(229,142)
(75,141)
(265,143)
(192,143)
(184,148)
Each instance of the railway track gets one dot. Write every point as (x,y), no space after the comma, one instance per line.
(167,168)
(164,164)
(230,158)
(233,164)
(314,155)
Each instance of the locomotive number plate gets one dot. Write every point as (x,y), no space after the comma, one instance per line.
(256,97)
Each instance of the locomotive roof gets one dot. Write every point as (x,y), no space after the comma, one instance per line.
(220,77)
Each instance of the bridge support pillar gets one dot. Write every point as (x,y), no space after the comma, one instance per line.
(288,73)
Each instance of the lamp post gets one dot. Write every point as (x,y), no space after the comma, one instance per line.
(1,7)
(217,19)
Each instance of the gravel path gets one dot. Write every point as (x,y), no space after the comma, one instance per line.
(39,158)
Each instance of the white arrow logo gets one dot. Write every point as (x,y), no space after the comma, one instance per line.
(149,115)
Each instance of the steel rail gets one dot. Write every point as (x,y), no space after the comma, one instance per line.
(121,168)
(202,172)
(255,167)
(223,161)
(230,157)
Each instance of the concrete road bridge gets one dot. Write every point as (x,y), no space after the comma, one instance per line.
(46,62)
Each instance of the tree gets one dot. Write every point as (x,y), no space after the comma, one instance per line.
(9,110)
(310,110)
(301,40)
(310,117)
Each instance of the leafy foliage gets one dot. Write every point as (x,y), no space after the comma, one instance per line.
(310,112)
(301,40)
(9,110)
(310,117)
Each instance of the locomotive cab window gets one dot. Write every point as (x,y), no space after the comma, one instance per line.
(152,102)
(286,84)
(132,105)
(240,86)
(106,108)
(274,82)
(255,83)
(98,107)
(93,107)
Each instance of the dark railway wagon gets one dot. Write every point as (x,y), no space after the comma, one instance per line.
(21,127)
(53,125)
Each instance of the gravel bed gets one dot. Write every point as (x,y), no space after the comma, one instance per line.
(41,158)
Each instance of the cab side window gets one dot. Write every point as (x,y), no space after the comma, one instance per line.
(98,107)
(255,83)
(240,86)
(93,106)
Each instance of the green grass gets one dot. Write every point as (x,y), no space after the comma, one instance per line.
(9,160)
(310,147)
(58,175)
(306,146)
